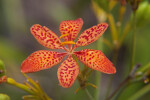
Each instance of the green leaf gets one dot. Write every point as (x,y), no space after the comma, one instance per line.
(130,90)
(4,97)
(140,93)
(2,69)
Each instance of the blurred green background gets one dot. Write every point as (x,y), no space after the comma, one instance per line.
(16,43)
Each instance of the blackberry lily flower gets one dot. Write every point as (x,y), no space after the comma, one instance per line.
(69,69)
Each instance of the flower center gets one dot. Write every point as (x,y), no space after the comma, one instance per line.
(63,35)
(69,43)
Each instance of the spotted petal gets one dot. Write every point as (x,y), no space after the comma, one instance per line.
(67,72)
(96,60)
(46,37)
(40,60)
(92,34)
(70,28)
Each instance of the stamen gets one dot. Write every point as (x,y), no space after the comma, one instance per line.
(67,42)
(63,35)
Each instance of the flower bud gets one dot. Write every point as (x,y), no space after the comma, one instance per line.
(4,97)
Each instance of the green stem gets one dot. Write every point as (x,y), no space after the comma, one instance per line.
(35,91)
(121,14)
(109,87)
(32,88)
(98,74)
(80,78)
(125,32)
(108,43)
(97,91)
(88,94)
(45,96)
(118,88)
(133,41)
(21,86)
(33,83)
(31,97)
(112,27)
(114,60)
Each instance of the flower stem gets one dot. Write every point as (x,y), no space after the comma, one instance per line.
(119,22)
(88,94)
(97,91)
(125,32)
(119,87)
(133,40)
(37,87)
(115,29)
(114,60)
(109,86)
(81,79)
(112,27)
(21,86)
(35,91)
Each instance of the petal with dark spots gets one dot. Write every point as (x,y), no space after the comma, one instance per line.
(70,28)
(46,37)
(90,35)
(96,60)
(68,72)
(40,60)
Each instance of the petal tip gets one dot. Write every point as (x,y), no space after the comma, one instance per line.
(106,25)
(64,86)
(80,20)
(110,69)
(35,25)
(113,70)
(25,67)
(70,27)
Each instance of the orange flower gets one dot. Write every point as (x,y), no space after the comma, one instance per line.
(69,69)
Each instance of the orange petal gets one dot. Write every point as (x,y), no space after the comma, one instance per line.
(46,37)
(92,34)
(67,72)
(40,60)
(96,60)
(71,28)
